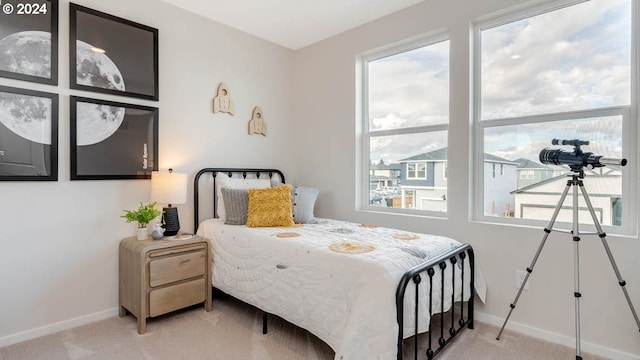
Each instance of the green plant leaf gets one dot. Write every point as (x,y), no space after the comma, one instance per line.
(144,215)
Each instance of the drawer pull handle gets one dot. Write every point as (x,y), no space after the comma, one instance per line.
(185,261)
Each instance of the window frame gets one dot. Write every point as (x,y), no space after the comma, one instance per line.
(629,114)
(364,134)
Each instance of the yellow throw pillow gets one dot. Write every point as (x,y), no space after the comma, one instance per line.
(270,207)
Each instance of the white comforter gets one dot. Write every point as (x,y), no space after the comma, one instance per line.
(346,299)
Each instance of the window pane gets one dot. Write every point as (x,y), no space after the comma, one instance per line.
(574,58)
(409,89)
(411,170)
(407,171)
(422,171)
(531,190)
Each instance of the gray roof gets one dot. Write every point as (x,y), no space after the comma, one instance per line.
(529,164)
(394,166)
(441,155)
(435,155)
(498,159)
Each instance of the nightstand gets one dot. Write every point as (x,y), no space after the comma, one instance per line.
(160,276)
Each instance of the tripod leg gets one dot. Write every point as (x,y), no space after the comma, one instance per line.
(603,237)
(547,231)
(576,263)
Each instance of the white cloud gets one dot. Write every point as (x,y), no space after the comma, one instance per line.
(410,89)
(556,62)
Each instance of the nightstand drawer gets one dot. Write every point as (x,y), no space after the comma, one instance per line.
(167,299)
(175,268)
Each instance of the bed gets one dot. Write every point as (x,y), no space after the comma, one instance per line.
(362,289)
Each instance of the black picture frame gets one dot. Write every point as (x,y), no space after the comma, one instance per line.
(112,55)
(28,135)
(112,140)
(29,41)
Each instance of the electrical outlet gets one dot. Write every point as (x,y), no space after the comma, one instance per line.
(520,275)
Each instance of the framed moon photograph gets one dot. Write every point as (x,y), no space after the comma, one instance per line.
(28,135)
(112,140)
(29,41)
(111,55)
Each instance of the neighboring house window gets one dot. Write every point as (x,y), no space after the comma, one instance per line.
(526,174)
(405,113)
(561,70)
(416,171)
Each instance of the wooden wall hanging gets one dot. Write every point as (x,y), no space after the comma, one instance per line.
(222,102)
(257,125)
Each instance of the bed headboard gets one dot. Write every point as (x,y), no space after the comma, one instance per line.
(231,172)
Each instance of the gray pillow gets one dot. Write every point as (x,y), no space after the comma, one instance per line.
(304,200)
(236,204)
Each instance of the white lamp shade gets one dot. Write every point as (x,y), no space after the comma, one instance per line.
(168,187)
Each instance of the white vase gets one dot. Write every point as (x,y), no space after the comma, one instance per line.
(143,233)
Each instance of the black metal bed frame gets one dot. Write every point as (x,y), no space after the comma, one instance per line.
(440,263)
(414,275)
(229,171)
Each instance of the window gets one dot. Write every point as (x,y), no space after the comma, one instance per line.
(527,174)
(562,72)
(416,170)
(405,117)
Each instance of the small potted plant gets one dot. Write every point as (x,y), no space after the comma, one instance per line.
(143,216)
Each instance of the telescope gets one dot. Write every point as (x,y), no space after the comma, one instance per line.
(576,159)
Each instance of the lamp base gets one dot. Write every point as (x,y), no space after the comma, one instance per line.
(170,221)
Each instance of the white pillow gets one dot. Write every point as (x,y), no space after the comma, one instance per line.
(223,180)
(304,200)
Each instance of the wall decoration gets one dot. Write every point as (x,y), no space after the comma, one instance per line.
(29,41)
(257,124)
(28,135)
(112,55)
(112,140)
(223,102)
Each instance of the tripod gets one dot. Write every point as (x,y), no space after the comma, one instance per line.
(576,180)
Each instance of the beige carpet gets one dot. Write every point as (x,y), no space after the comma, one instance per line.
(233,331)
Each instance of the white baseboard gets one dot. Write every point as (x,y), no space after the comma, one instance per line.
(515,326)
(556,338)
(56,327)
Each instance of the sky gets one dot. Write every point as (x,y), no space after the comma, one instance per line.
(571,59)
(575,58)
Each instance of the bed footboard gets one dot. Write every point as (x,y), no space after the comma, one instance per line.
(426,272)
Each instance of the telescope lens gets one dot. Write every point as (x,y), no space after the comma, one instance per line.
(550,156)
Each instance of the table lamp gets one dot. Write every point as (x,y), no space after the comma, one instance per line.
(169,188)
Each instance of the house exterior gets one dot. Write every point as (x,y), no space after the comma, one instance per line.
(384,176)
(531,172)
(604,186)
(423,182)
(500,175)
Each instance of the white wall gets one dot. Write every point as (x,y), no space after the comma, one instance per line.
(326,113)
(58,264)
